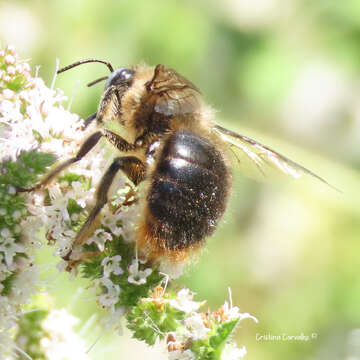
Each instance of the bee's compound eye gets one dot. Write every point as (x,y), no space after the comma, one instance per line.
(125,74)
(120,76)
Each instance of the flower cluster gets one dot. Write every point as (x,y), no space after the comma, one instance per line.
(189,333)
(36,130)
(46,334)
(60,341)
(20,164)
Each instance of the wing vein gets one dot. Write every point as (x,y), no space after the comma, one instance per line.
(261,154)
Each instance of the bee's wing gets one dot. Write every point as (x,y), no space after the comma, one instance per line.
(264,159)
(172,93)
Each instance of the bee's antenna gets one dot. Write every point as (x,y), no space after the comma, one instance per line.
(97,81)
(84,62)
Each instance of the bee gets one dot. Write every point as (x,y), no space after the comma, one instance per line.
(172,144)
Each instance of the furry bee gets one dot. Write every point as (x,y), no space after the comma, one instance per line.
(173,144)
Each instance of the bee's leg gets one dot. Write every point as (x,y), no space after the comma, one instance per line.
(89,120)
(135,171)
(89,143)
(117,141)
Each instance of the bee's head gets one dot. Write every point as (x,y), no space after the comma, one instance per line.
(119,77)
(139,92)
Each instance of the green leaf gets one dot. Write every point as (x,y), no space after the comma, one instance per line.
(7,283)
(73,207)
(17,83)
(211,348)
(222,333)
(149,321)
(25,170)
(92,268)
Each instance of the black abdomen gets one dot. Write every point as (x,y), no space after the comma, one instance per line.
(188,192)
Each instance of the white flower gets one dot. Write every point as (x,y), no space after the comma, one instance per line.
(29,229)
(16,215)
(5,232)
(79,194)
(112,296)
(35,111)
(60,342)
(58,207)
(100,237)
(184,301)
(229,313)
(112,265)
(93,165)
(231,352)
(25,282)
(63,237)
(113,320)
(9,59)
(181,355)
(7,107)
(10,248)
(112,221)
(196,325)
(60,320)
(248,316)
(129,217)
(11,190)
(7,322)
(137,276)
(8,94)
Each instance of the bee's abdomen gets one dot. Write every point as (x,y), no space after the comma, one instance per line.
(188,192)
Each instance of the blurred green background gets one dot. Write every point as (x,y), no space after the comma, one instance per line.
(284,72)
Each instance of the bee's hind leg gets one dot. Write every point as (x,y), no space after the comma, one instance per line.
(135,171)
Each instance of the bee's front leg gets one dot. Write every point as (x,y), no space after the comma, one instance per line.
(88,144)
(89,120)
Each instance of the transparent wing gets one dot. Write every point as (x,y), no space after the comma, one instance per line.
(173,94)
(263,159)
